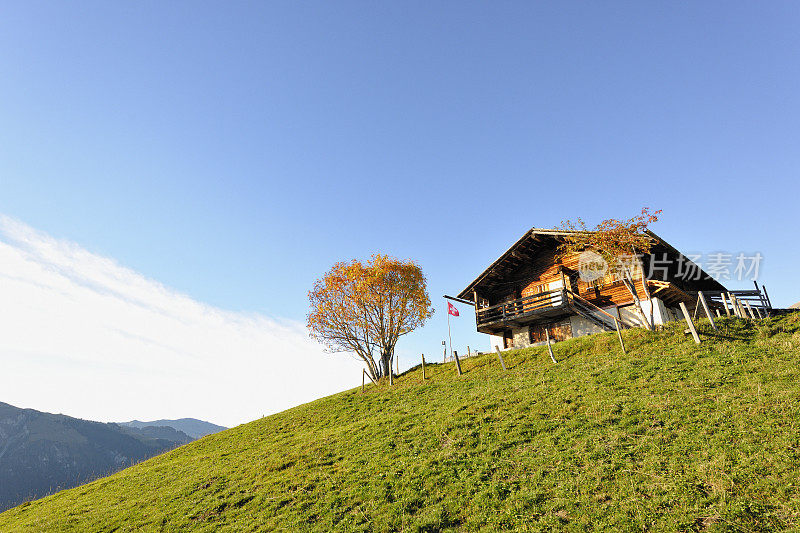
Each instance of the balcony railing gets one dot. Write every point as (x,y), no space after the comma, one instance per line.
(550,303)
(528,305)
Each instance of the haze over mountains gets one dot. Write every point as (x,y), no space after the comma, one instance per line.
(191,426)
(42,453)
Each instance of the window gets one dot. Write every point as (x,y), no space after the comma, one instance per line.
(508,339)
(558,331)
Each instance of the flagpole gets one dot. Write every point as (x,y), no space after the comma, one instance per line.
(448,330)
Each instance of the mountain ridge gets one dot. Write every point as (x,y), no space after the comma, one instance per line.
(193,427)
(44,452)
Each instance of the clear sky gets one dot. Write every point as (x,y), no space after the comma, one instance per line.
(231,152)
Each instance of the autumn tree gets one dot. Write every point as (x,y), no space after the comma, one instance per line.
(619,242)
(364,308)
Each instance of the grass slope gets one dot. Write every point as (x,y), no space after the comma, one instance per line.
(672,436)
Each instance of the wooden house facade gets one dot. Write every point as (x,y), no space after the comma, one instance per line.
(533,291)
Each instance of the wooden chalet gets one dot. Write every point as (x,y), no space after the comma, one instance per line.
(532,291)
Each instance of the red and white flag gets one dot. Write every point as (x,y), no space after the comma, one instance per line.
(451,309)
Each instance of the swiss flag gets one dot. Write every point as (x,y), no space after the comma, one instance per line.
(451,309)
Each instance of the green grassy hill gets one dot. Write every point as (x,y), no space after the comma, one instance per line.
(671,436)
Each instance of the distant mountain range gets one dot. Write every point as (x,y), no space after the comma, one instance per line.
(42,453)
(191,426)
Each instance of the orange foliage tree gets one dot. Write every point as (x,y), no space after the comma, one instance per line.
(619,242)
(364,308)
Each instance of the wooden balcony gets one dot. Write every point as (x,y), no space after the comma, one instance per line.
(527,309)
(550,304)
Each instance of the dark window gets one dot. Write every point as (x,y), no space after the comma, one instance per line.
(508,339)
(558,331)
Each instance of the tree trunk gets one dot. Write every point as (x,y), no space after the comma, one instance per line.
(386,363)
(637,303)
(372,369)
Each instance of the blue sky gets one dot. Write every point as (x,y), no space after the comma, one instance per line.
(234,151)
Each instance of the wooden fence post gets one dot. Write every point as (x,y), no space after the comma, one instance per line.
(370,377)
(458,363)
(499,355)
(742,310)
(735,307)
(423,367)
(362,380)
(549,348)
(766,295)
(444,356)
(707,310)
(469,352)
(760,296)
(752,314)
(619,335)
(689,321)
(725,303)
